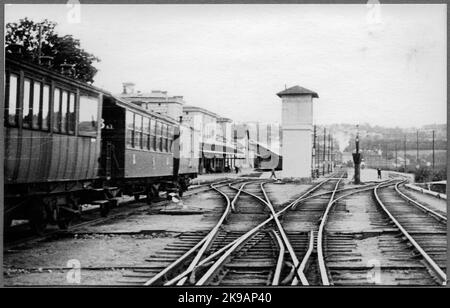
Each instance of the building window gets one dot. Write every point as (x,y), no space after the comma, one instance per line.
(45,107)
(146,134)
(12,99)
(36,104)
(71,114)
(88,116)
(129,128)
(26,103)
(56,110)
(138,131)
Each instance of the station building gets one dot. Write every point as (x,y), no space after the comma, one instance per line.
(219,144)
(217,150)
(213,135)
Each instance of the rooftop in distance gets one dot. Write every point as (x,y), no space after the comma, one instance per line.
(297,90)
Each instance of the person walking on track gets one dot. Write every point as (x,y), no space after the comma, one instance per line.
(273,175)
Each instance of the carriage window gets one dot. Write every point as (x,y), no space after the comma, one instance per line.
(170,138)
(26,103)
(87,125)
(64,98)
(165,149)
(56,109)
(12,99)
(71,114)
(130,128)
(146,135)
(153,135)
(45,106)
(138,131)
(36,102)
(158,136)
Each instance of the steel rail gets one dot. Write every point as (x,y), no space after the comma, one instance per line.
(286,241)
(280,260)
(205,242)
(427,258)
(238,242)
(319,242)
(280,229)
(433,213)
(205,261)
(322,268)
(339,190)
(305,259)
(212,234)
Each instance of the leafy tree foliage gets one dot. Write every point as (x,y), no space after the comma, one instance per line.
(63,49)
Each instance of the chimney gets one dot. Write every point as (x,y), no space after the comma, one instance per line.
(128,87)
(15,49)
(46,61)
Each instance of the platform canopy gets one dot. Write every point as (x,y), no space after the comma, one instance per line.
(219,149)
(297,90)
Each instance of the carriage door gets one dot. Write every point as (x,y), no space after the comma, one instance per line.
(112,144)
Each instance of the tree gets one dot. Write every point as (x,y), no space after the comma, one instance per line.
(63,49)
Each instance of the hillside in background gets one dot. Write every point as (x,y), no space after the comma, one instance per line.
(378,138)
(384,147)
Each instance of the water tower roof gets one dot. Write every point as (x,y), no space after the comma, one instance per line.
(297,90)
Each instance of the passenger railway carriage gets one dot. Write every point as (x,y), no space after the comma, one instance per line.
(68,143)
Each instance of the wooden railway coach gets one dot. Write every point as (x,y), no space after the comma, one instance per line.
(68,143)
(145,152)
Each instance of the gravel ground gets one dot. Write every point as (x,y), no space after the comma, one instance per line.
(105,251)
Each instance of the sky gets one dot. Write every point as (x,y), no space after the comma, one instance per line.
(377,64)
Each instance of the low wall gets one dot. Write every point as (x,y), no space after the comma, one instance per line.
(426,191)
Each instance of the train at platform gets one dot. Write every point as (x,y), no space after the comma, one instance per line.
(68,143)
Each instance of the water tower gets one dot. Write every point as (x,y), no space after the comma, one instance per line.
(297,127)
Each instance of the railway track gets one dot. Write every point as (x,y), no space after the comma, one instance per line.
(18,236)
(235,257)
(313,240)
(240,214)
(393,243)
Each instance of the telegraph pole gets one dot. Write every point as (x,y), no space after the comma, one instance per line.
(40,44)
(417,158)
(329,152)
(396,169)
(324,149)
(404,152)
(315,152)
(318,154)
(357,160)
(433,151)
(332,157)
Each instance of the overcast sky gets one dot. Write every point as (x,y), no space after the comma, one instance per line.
(382,65)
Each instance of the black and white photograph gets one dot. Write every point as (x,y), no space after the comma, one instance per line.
(224,145)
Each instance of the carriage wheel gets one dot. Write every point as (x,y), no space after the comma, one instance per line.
(149,196)
(104,209)
(8,221)
(38,217)
(64,222)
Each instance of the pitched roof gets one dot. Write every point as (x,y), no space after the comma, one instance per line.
(297,90)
